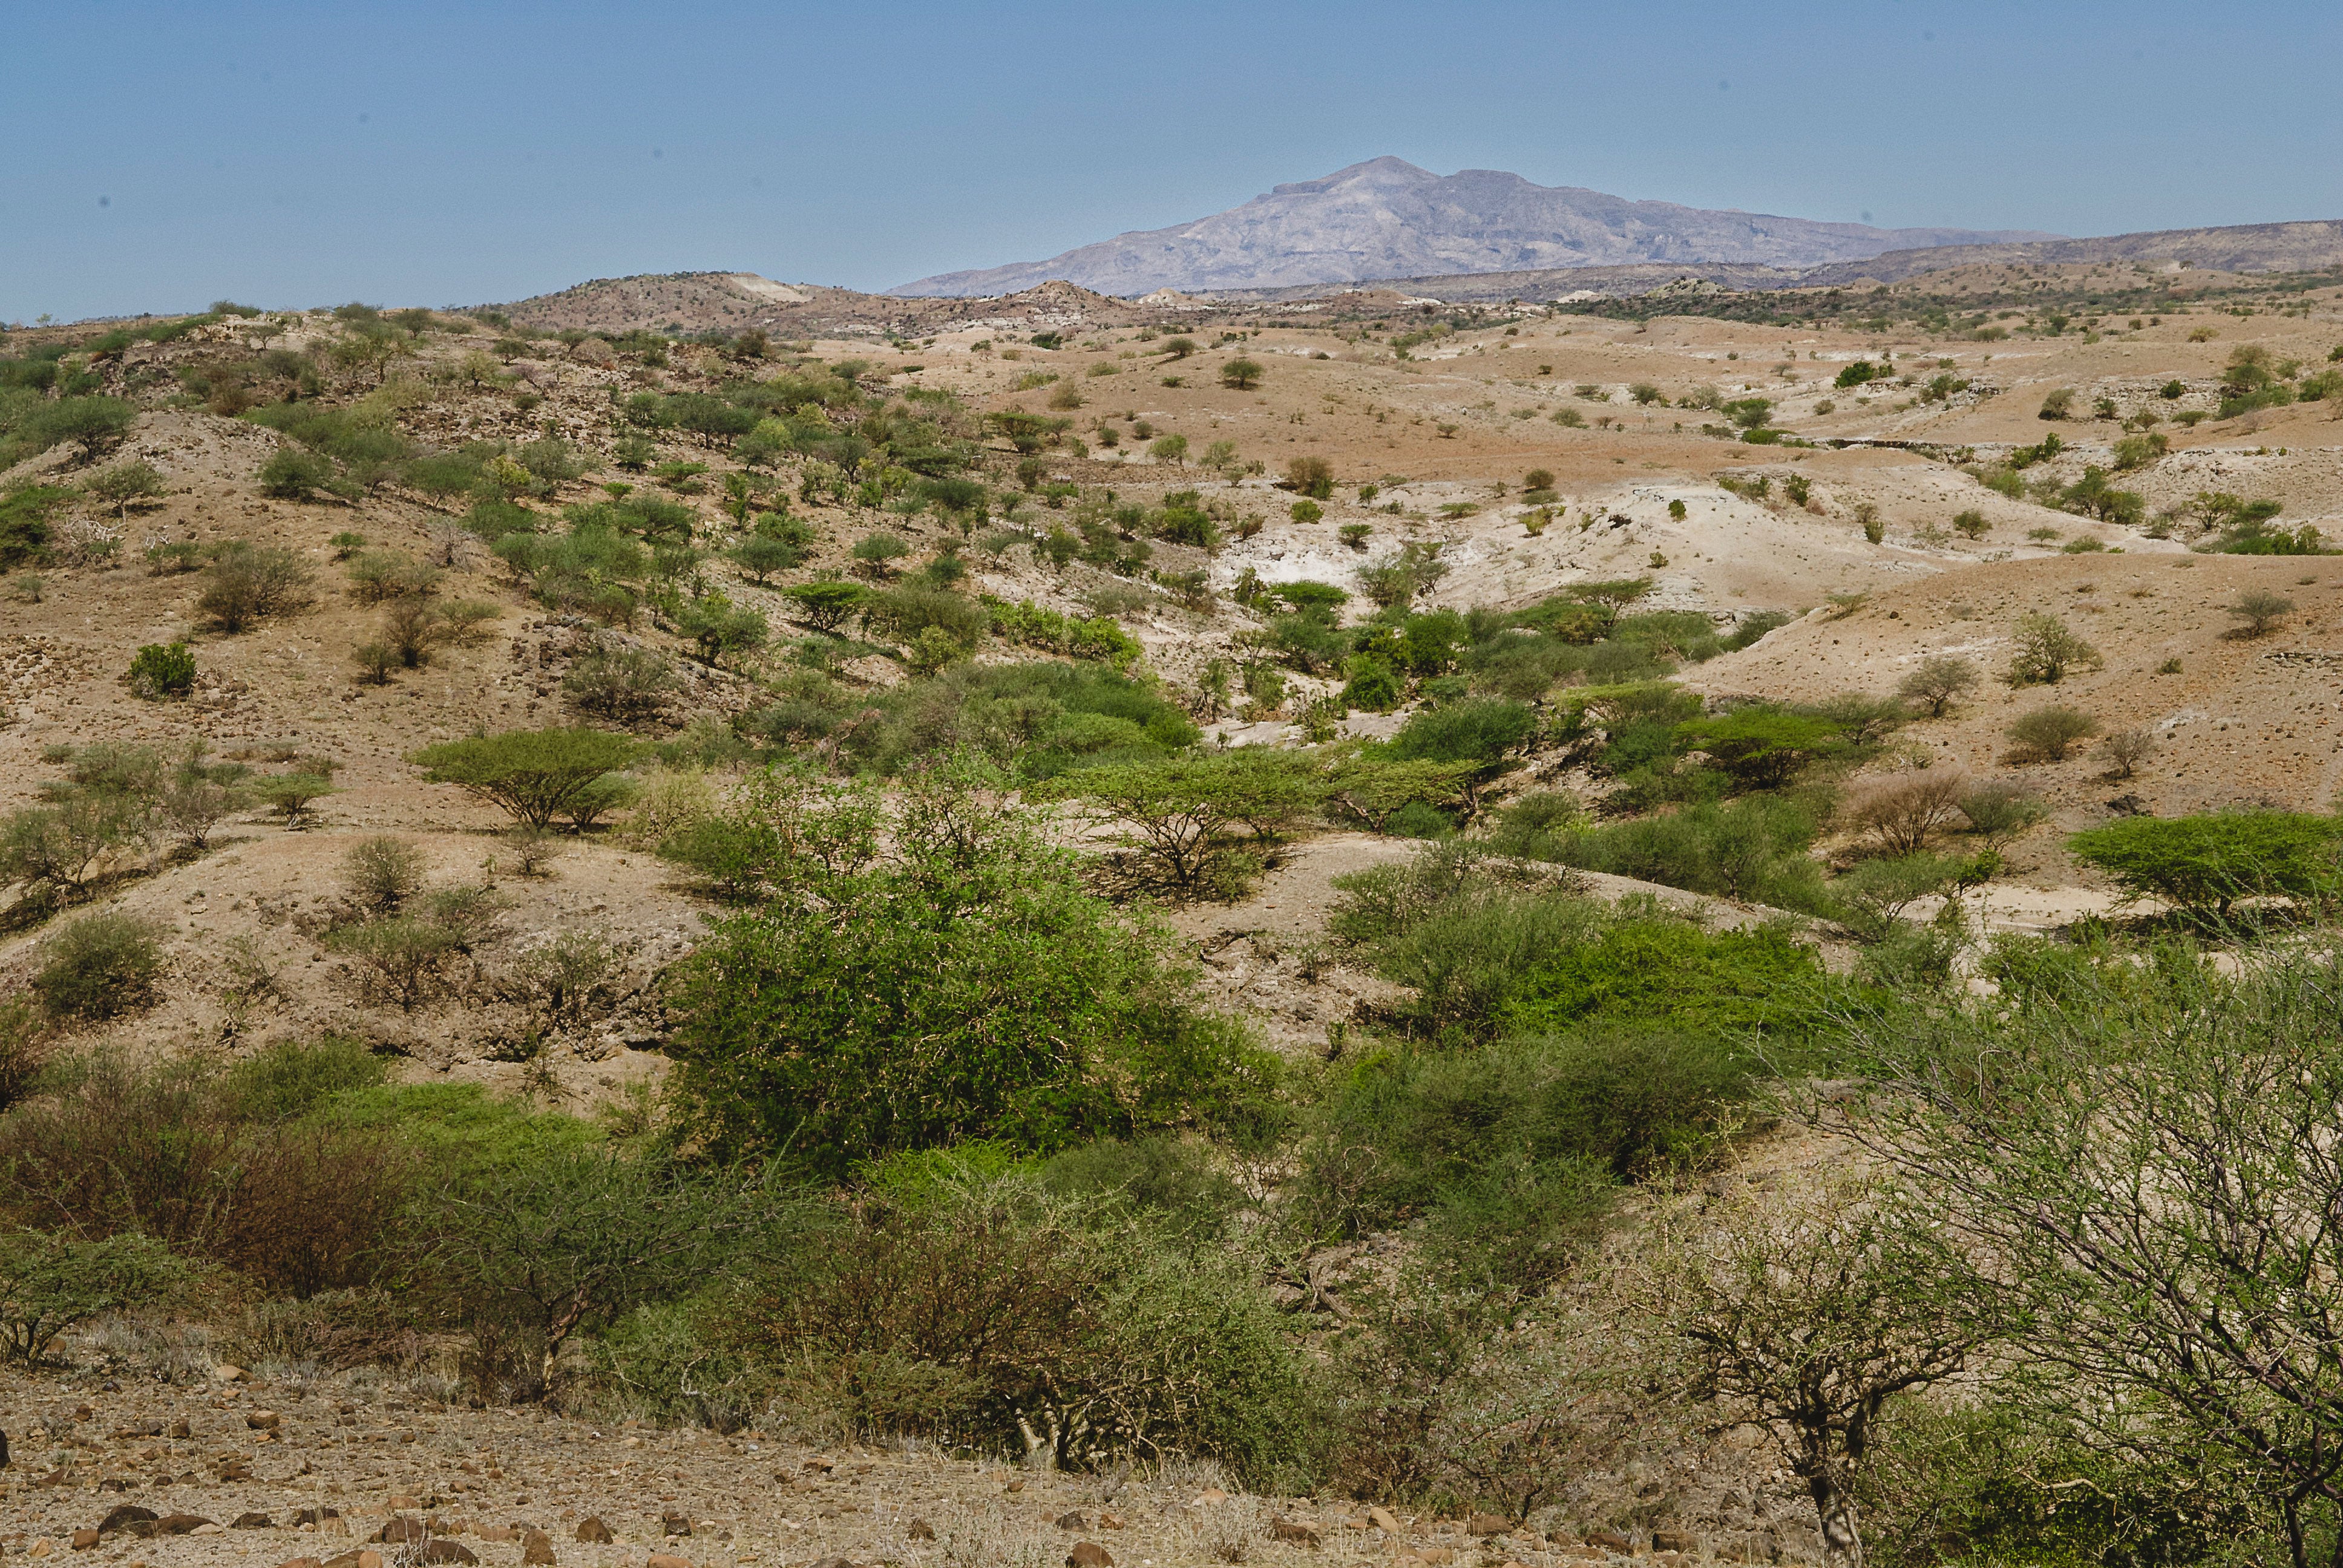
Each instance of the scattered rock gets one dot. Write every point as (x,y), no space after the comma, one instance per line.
(180,1428)
(1486,1525)
(1073,1521)
(836,1562)
(301,1562)
(1110,1520)
(1210,1496)
(1610,1541)
(918,1530)
(591,1528)
(252,1521)
(116,1483)
(1089,1555)
(664,1560)
(441,1550)
(127,1514)
(263,1420)
(502,1532)
(1288,1531)
(536,1547)
(1381,1518)
(1674,1541)
(362,1558)
(168,1524)
(1015,1486)
(231,1373)
(401,1530)
(83,1540)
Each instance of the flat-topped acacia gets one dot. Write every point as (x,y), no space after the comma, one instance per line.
(535,774)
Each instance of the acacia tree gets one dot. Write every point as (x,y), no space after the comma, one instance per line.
(535,774)
(2139,1178)
(1941,681)
(1801,1316)
(555,1245)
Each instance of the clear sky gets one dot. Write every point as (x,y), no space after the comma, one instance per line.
(158,157)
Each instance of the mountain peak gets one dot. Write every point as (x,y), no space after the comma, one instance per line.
(1386,219)
(1386,172)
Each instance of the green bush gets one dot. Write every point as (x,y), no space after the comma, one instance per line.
(721,629)
(1753,849)
(960,1297)
(246,582)
(163,670)
(93,424)
(1487,732)
(2205,864)
(50,1282)
(294,476)
(25,521)
(52,850)
(536,775)
(824,606)
(758,558)
(99,967)
(294,793)
(1178,816)
(1763,748)
(1099,637)
(2004,1480)
(626,685)
(1513,1152)
(2048,650)
(968,987)
(902,614)
(1489,956)
(537,1251)
(382,872)
(2046,734)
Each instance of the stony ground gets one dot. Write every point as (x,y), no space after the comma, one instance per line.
(264,1472)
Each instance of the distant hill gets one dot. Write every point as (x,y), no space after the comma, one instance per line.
(1387,219)
(734,302)
(2304,246)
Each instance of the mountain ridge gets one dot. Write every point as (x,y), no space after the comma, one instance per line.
(1387,219)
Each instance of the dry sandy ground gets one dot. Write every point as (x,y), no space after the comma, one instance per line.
(271,1453)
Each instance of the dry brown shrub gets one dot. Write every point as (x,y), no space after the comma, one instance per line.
(1902,810)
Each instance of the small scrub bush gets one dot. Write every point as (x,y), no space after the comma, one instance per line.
(99,967)
(51,1281)
(163,671)
(382,873)
(2047,651)
(2258,611)
(2047,734)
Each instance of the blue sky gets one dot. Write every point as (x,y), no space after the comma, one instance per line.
(159,157)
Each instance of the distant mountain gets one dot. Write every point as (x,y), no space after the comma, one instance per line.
(1387,219)
(2303,246)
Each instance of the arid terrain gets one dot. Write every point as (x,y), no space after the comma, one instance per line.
(1854,514)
